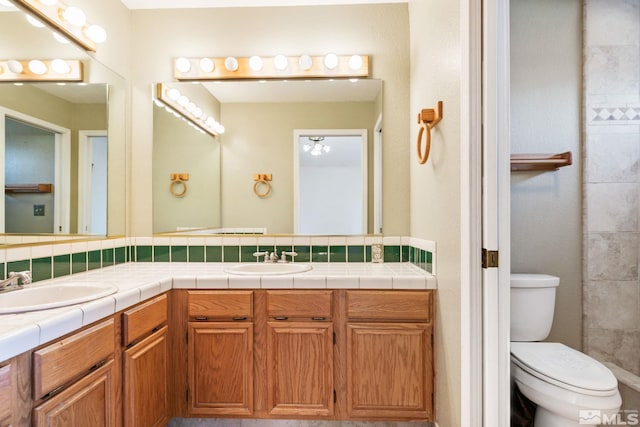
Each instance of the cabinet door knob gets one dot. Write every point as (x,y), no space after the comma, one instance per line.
(238,318)
(280,318)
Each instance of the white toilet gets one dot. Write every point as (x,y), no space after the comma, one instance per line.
(569,388)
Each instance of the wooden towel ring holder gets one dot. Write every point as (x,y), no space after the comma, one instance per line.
(428,118)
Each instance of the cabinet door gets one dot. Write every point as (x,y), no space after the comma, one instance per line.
(6,385)
(389,370)
(300,368)
(88,402)
(220,368)
(145,382)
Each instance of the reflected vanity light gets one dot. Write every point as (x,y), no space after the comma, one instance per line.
(275,67)
(36,70)
(69,21)
(178,104)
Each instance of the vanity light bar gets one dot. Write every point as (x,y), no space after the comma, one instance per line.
(180,104)
(70,21)
(36,70)
(276,67)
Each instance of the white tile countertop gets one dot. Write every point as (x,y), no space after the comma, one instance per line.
(137,282)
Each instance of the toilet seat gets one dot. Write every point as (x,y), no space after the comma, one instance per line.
(564,367)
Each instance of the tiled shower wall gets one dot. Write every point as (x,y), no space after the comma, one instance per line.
(612,181)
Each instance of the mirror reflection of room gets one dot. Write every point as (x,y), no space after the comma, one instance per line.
(55,148)
(260,120)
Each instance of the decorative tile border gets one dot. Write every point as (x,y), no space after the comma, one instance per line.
(621,115)
(56,260)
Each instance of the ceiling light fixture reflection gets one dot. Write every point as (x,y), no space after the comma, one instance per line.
(36,70)
(180,106)
(69,21)
(277,67)
(316,147)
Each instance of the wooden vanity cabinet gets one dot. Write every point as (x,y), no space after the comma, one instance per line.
(74,380)
(220,353)
(300,343)
(145,364)
(6,394)
(389,355)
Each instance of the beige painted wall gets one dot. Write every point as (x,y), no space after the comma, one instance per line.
(435,186)
(265,145)
(377,30)
(546,208)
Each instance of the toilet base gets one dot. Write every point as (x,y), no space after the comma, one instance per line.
(545,418)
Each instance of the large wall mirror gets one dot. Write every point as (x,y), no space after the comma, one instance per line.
(65,143)
(262,120)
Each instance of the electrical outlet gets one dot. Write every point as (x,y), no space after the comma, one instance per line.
(38,210)
(377,252)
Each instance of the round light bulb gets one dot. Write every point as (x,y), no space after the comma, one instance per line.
(37,67)
(173,94)
(355,62)
(60,66)
(96,33)
(14,66)
(256,63)
(220,129)
(198,112)
(74,16)
(280,62)
(35,22)
(331,61)
(231,63)
(183,65)
(207,65)
(305,62)
(60,38)
(191,107)
(183,100)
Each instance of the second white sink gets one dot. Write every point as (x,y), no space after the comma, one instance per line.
(52,296)
(267,269)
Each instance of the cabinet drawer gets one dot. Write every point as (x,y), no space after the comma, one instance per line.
(389,305)
(61,362)
(220,304)
(299,304)
(142,319)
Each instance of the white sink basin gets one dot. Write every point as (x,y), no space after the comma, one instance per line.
(51,296)
(267,269)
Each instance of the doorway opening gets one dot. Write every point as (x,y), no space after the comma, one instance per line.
(330,181)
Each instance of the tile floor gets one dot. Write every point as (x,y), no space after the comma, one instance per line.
(204,422)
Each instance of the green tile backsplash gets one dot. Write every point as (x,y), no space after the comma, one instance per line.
(44,268)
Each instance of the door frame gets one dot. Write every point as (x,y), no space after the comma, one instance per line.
(363,134)
(62,180)
(377,176)
(84,177)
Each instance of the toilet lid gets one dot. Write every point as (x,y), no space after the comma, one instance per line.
(563,365)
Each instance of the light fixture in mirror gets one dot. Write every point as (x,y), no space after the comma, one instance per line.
(36,70)
(178,103)
(70,21)
(276,67)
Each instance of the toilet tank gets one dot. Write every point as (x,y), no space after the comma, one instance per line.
(533,299)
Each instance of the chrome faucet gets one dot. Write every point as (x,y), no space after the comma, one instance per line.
(15,280)
(273,256)
(283,256)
